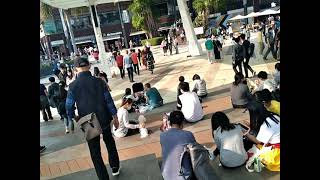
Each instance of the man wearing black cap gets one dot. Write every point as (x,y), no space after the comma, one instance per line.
(91,96)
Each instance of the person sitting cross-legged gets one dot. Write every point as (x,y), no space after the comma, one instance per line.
(191,106)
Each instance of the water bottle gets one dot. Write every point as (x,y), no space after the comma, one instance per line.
(257,165)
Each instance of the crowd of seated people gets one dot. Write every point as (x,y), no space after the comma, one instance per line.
(233,140)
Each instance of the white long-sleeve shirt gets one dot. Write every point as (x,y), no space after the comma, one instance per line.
(124,124)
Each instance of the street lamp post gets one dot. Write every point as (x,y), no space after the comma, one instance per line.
(122,26)
(245,10)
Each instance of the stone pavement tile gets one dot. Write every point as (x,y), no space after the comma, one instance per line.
(54,169)
(64,168)
(89,161)
(83,164)
(44,170)
(73,165)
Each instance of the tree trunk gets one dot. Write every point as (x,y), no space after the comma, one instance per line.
(151,24)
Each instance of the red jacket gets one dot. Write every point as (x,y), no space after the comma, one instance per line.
(119,60)
(134,57)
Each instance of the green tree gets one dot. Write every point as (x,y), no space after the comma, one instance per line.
(45,12)
(204,8)
(142,17)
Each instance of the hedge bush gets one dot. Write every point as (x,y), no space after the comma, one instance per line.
(153,41)
(46,69)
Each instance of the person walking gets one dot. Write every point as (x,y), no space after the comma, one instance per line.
(53,91)
(150,60)
(119,60)
(176,43)
(271,38)
(246,48)
(217,47)
(139,56)
(134,57)
(91,96)
(61,106)
(260,41)
(164,47)
(128,64)
(169,43)
(237,55)
(209,48)
(44,103)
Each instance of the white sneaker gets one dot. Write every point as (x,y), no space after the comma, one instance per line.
(67,130)
(116,171)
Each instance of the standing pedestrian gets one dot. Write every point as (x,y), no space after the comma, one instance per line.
(271,38)
(176,43)
(246,48)
(139,56)
(144,56)
(91,96)
(217,47)
(63,72)
(61,106)
(131,44)
(150,60)
(134,57)
(119,60)
(164,46)
(260,41)
(128,64)
(230,31)
(169,43)
(209,48)
(44,103)
(237,55)
(53,92)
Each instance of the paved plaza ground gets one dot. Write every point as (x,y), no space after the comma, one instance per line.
(67,156)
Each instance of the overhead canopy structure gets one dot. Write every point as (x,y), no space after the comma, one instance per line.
(268,12)
(67,4)
(237,17)
(253,14)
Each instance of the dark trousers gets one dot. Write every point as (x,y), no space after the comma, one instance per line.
(247,66)
(235,64)
(130,73)
(136,69)
(170,48)
(271,48)
(95,152)
(121,72)
(46,112)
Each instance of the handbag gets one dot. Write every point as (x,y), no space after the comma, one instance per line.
(90,125)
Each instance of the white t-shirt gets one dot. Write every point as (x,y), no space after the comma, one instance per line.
(123,123)
(272,133)
(191,106)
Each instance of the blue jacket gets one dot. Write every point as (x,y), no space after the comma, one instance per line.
(90,95)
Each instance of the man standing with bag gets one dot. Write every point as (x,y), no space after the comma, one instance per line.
(91,96)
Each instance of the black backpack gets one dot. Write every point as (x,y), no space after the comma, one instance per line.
(251,49)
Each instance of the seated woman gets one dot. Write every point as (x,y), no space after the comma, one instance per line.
(268,126)
(229,140)
(265,97)
(125,127)
(240,94)
(172,145)
(200,87)
(129,95)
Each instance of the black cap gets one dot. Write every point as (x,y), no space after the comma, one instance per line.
(81,62)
